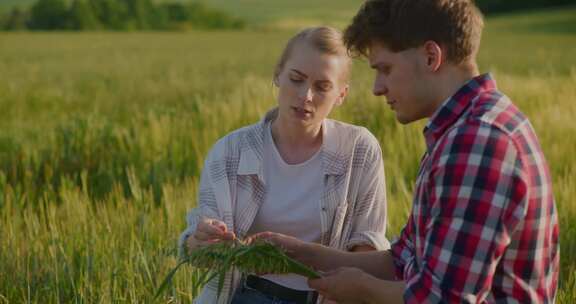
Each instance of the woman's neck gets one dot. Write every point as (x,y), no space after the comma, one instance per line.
(296,144)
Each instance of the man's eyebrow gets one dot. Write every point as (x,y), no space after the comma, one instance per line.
(379,65)
(376,65)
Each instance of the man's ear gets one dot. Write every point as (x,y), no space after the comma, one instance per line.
(434,55)
(342,95)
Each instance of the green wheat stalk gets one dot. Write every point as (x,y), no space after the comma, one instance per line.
(217,259)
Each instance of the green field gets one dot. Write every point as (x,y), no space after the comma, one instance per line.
(103,135)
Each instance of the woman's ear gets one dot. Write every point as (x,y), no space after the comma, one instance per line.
(275,81)
(342,95)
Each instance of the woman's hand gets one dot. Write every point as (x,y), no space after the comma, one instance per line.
(292,246)
(209,231)
(314,255)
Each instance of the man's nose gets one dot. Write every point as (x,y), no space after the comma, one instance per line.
(379,88)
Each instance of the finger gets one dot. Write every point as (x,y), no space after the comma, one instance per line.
(317,284)
(218,224)
(191,242)
(210,229)
(277,239)
(267,237)
(228,236)
(248,240)
(208,242)
(203,236)
(215,224)
(330,272)
(324,296)
(261,236)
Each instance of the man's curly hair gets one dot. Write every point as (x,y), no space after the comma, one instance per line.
(456,25)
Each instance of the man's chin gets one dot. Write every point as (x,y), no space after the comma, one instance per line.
(403,120)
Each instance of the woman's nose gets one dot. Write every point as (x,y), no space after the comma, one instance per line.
(306,94)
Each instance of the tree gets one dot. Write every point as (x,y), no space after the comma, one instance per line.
(496,6)
(48,15)
(113,14)
(16,20)
(82,16)
(118,15)
(140,12)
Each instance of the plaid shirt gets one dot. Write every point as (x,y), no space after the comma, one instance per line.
(353,202)
(483,226)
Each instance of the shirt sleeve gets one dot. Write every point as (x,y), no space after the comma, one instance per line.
(402,251)
(369,218)
(476,200)
(206,207)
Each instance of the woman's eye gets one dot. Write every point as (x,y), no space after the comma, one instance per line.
(296,80)
(324,88)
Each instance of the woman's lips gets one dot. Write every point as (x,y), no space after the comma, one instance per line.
(301,110)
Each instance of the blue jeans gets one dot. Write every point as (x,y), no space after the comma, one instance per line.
(245,295)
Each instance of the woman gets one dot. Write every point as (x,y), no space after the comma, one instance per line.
(295,172)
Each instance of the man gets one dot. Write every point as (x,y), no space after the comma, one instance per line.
(483,226)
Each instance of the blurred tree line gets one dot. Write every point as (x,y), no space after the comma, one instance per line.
(117,15)
(500,6)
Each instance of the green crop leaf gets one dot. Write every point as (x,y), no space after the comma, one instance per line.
(215,260)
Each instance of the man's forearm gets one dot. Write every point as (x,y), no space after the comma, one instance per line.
(376,263)
(380,291)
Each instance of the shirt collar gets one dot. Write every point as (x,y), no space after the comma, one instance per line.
(252,148)
(455,106)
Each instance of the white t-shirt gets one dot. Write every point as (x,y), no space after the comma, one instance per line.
(292,203)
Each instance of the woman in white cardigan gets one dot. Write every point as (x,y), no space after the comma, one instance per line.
(295,172)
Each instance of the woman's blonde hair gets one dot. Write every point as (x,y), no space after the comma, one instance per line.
(326,40)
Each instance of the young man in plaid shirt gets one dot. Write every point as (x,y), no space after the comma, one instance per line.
(483,225)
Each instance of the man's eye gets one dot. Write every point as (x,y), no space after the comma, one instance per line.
(296,80)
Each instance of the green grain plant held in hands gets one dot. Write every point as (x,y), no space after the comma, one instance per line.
(214,260)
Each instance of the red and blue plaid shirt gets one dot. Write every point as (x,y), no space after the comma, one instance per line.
(483,226)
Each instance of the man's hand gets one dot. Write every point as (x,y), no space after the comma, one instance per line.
(352,285)
(209,231)
(344,285)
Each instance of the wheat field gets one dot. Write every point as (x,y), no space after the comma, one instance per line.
(103,135)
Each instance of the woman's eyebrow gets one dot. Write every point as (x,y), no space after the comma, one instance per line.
(325,81)
(299,73)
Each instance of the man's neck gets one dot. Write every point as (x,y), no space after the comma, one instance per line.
(451,79)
